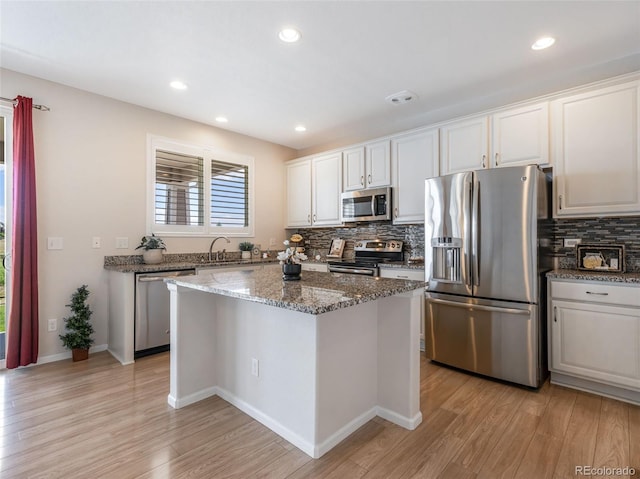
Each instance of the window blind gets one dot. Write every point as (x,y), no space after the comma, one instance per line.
(229,194)
(179,189)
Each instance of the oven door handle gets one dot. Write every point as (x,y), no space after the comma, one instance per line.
(368,272)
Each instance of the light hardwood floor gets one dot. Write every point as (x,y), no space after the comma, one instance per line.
(98,419)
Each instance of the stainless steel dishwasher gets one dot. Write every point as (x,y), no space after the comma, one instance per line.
(152,311)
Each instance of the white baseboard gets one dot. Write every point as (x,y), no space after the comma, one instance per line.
(192,398)
(66,355)
(402,421)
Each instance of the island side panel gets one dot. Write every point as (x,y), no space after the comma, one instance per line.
(283,394)
(192,371)
(347,372)
(399,320)
(121,316)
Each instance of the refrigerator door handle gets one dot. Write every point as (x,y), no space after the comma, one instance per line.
(479,307)
(475,237)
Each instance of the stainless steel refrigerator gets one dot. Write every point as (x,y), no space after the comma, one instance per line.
(486,235)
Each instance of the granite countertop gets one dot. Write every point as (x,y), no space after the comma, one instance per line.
(315,293)
(594,276)
(181,265)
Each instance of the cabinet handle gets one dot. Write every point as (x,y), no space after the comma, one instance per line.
(496,159)
(369,179)
(309,218)
(555,314)
(597,294)
(484,157)
(315,218)
(395,212)
(560,202)
(362,180)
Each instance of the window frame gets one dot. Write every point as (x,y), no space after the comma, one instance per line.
(208,153)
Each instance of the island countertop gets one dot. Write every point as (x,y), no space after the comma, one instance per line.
(315,293)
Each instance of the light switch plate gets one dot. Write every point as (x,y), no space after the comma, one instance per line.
(122,242)
(54,242)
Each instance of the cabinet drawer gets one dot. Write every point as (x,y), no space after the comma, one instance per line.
(321,267)
(414,274)
(597,292)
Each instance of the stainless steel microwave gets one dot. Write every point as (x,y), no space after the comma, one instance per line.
(373,204)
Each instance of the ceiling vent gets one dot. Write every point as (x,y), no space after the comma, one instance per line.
(404,96)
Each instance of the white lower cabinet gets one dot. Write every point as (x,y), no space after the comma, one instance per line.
(594,337)
(407,273)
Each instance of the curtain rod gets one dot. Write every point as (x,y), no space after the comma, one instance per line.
(37,107)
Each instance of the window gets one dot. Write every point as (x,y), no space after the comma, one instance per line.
(198,191)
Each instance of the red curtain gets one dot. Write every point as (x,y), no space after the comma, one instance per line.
(22,327)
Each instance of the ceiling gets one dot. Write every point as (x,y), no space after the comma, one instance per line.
(458,57)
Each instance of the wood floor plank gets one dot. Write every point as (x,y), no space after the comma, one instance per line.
(612,444)
(99,419)
(583,425)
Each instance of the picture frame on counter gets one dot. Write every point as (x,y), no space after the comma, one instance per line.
(336,248)
(599,257)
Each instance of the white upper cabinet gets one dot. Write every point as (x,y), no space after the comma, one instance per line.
(520,136)
(298,193)
(464,145)
(378,162)
(596,154)
(326,187)
(313,191)
(367,166)
(414,158)
(353,174)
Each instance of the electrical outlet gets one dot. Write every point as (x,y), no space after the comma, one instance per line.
(52,325)
(255,367)
(272,242)
(571,242)
(95,242)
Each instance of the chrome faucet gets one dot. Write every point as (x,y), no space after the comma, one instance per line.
(217,252)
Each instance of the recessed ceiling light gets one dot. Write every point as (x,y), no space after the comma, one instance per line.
(301,128)
(542,43)
(178,85)
(221,119)
(289,35)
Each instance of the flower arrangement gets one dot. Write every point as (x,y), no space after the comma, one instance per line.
(291,255)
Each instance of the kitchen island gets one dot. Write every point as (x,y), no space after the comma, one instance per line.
(313,360)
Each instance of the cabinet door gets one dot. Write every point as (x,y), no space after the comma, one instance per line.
(326,187)
(378,163)
(413,159)
(353,174)
(520,136)
(464,146)
(299,193)
(596,341)
(596,152)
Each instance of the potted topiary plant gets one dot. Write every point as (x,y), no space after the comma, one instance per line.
(79,329)
(246,248)
(152,247)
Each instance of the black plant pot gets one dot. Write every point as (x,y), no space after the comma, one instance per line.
(291,271)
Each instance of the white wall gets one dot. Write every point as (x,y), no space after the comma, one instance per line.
(91,167)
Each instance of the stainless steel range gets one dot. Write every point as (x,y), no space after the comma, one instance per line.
(368,255)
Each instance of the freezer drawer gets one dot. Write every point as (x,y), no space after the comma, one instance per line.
(494,338)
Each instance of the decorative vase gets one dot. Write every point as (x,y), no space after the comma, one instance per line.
(152,256)
(246,255)
(79,354)
(291,271)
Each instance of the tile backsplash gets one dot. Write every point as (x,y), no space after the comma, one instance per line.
(620,230)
